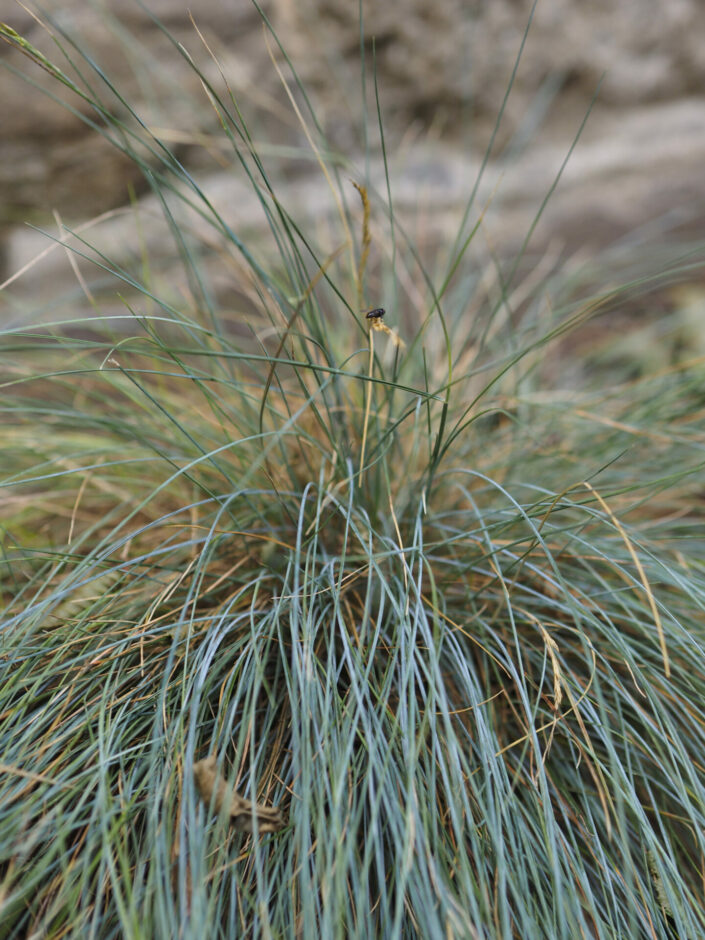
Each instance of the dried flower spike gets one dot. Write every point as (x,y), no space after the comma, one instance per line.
(240,810)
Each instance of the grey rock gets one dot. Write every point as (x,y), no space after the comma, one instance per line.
(442,71)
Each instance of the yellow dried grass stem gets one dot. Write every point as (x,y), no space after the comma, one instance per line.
(642,577)
(365,245)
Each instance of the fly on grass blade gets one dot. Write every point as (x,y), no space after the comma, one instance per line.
(376,314)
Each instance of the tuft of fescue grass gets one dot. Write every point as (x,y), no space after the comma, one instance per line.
(442,606)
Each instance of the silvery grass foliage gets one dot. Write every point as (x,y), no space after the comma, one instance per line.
(442,607)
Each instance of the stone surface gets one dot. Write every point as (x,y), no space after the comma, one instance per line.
(442,72)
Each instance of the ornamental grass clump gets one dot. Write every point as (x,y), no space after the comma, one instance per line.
(437,612)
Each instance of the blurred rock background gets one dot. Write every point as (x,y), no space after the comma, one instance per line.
(635,178)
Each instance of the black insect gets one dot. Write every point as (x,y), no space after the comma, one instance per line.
(376,314)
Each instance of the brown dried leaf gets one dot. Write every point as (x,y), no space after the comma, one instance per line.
(240,810)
